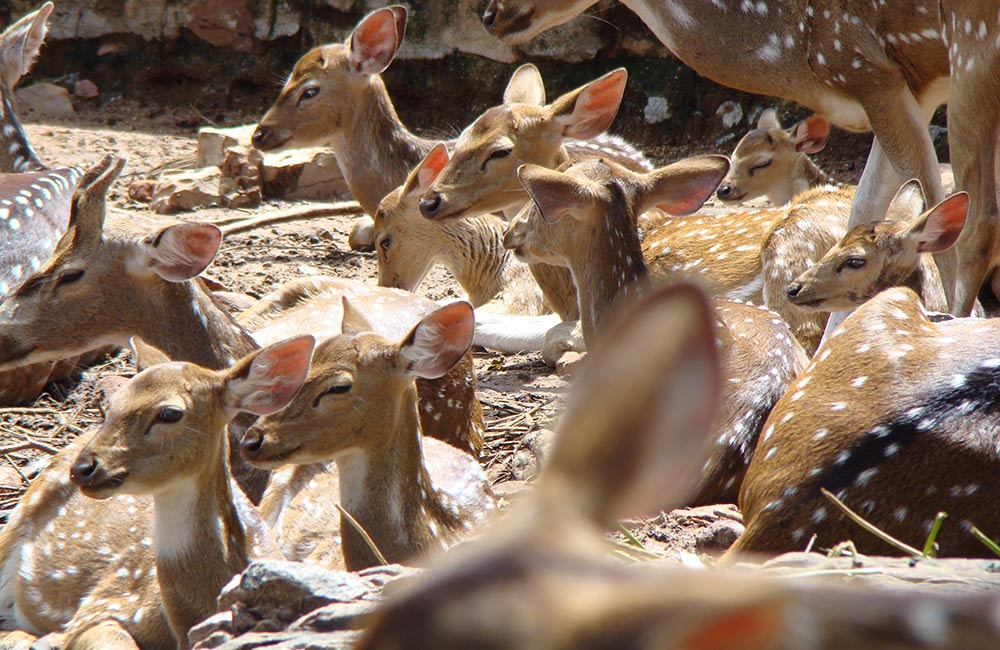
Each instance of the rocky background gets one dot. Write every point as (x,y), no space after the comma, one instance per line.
(223,54)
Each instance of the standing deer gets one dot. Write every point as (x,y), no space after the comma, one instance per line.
(631,439)
(883,67)
(412,495)
(770,161)
(165,436)
(584,217)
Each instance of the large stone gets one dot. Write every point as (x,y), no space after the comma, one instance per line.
(44,100)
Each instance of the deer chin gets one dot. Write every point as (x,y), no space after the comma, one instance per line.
(106,488)
(271,458)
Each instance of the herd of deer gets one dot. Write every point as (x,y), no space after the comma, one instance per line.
(332,411)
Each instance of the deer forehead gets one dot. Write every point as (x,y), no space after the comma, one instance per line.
(317,60)
(347,353)
(175,383)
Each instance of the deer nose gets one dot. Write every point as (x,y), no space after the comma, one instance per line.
(260,135)
(251,444)
(725,191)
(83,470)
(431,206)
(794,289)
(490,15)
(510,238)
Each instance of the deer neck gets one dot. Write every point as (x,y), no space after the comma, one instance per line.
(477,257)
(184,320)
(389,492)
(375,150)
(16,154)
(199,542)
(806,176)
(607,271)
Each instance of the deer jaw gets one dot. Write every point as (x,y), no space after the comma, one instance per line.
(517,21)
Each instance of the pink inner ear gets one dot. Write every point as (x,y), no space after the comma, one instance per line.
(432,165)
(374,42)
(945,223)
(597,106)
(811,134)
(276,375)
(185,250)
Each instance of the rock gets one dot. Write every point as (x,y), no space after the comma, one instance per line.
(310,173)
(568,362)
(334,618)
(213,143)
(289,641)
(223,23)
(540,443)
(142,190)
(524,466)
(44,99)
(85,89)
(219,626)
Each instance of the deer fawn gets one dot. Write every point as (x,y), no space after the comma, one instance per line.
(164,436)
(584,217)
(359,407)
(883,67)
(770,161)
(631,439)
(872,258)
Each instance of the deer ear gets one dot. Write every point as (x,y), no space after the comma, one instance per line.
(940,227)
(265,381)
(88,206)
(556,194)
(19,44)
(588,111)
(525,87)
(431,166)
(146,355)
(182,251)
(809,136)
(683,187)
(768,120)
(438,341)
(634,433)
(907,203)
(751,626)
(353,320)
(374,42)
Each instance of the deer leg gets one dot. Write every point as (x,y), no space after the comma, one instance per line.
(973,130)
(106,635)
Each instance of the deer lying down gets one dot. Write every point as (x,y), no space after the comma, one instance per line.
(411,494)
(584,217)
(632,437)
(165,436)
(335,96)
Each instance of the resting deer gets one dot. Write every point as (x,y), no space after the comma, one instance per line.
(872,258)
(631,439)
(114,278)
(335,96)
(411,495)
(882,67)
(584,217)
(770,161)
(895,416)
(34,199)
(165,436)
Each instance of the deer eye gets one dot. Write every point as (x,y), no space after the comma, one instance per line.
(764,164)
(169,415)
(854,263)
(336,389)
(308,93)
(497,155)
(69,277)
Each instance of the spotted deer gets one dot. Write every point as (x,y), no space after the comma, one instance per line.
(895,415)
(34,199)
(883,67)
(411,495)
(634,431)
(112,278)
(891,253)
(773,162)
(584,217)
(335,96)
(164,436)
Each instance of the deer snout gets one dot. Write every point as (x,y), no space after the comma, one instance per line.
(264,138)
(725,191)
(794,289)
(490,14)
(84,470)
(513,237)
(430,206)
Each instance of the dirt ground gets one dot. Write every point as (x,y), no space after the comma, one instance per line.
(520,396)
